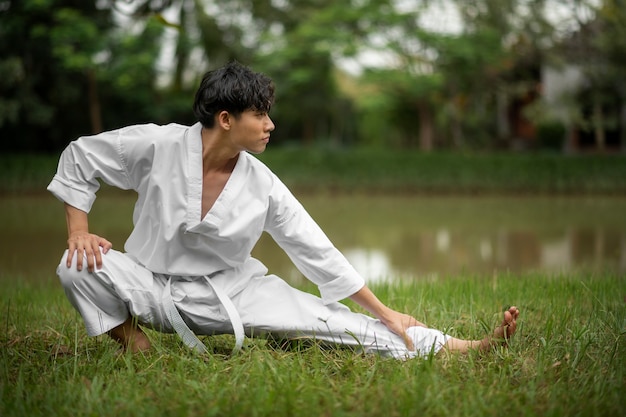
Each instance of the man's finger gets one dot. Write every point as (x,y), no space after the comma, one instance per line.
(98,257)
(70,256)
(408,342)
(90,255)
(79,259)
(106,245)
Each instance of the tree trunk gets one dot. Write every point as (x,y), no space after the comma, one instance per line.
(502,116)
(426,134)
(457,129)
(622,126)
(95,114)
(182,51)
(308,131)
(458,141)
(571,139)
(598,125)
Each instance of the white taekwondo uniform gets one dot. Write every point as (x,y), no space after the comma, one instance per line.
(203,266)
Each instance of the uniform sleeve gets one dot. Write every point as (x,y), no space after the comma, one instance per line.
(308,247)
(82,163)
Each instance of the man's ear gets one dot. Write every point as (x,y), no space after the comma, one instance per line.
(223,119)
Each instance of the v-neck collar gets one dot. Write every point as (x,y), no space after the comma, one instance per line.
(222,204)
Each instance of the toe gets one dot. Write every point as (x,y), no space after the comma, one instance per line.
(508,317)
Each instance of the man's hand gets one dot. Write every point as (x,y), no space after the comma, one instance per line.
(398,323)
(80,244)
(395,321)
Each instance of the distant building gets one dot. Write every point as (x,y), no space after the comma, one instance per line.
(579,102)
(586,93)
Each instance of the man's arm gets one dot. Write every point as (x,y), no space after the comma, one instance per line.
(80,242)
(295,231)
(396,322)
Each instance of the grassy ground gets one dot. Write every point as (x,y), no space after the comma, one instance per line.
(567,359)
(394,171)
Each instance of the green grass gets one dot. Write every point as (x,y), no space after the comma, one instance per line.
(26,173)
(568,358)
(318,169)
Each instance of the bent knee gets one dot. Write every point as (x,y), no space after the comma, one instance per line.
(71,276)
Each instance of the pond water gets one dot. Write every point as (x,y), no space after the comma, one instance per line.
(385,237)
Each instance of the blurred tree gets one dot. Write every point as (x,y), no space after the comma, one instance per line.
(44,74)
(299,45)
(454,85)
(492,69)
(585,87)
(290,40)
(128,78)
(67,69)
(75,40)
(612,43)
(70,67)
(471,65)
(202,35)
(401,108)
(598,48)
(441,85)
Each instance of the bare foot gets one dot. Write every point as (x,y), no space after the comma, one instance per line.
(503,332)
(138,344)
(131,337)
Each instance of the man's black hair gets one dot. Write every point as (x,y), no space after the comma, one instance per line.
(234,88)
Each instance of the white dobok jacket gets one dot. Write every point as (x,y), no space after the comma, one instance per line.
(163,164)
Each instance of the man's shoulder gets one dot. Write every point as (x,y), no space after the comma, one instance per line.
(143,138)
(257,165)
(265,177)
(154,130)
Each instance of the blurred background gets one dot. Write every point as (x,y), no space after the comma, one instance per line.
(428,138)
(407,74)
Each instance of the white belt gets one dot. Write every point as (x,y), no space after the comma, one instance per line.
(185,333)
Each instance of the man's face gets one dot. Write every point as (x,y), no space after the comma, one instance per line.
(251,131)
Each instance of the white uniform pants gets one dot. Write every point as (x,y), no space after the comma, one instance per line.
(266,304)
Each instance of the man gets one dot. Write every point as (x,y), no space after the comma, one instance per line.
(203,202)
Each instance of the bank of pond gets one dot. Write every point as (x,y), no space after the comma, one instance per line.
(316,169)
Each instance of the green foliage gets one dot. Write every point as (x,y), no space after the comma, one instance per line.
(41,66)
(397,105)
(68,67)
(75,39)
(11,73)
(300,57)
(551,135)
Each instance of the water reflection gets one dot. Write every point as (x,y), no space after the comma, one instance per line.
(409,238)
(445,253)
(373,264)
(385,238)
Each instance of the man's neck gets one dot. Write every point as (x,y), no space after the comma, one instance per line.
(217,156)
